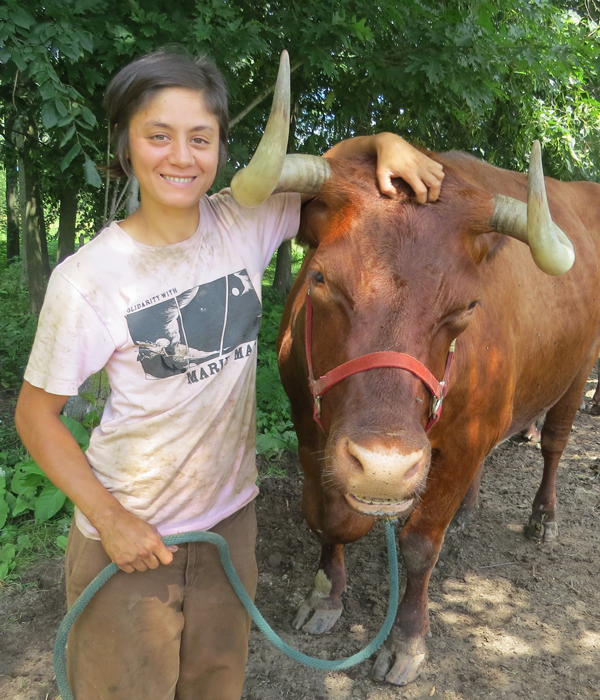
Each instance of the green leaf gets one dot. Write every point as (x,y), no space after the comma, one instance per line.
(23,503)
(21,18)
(65,121)
(90,397)
(77,431)
(61,542)
(7,553)
(68,136)
(3,569)
(92,176)
(48,503)
(24,541)
(267,442)
(47,90)
(2,457)
(88,115)
(67,160)
(49,115)
(60,107)
(4,511)
(27,477)
(20,62)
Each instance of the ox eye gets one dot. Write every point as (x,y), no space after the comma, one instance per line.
(318,277)
(472,305)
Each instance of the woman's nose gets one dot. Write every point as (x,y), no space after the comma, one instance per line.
(181,154)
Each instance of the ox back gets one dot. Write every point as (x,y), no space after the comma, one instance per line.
(395,275)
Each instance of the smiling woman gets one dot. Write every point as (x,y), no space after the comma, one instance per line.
(174,152)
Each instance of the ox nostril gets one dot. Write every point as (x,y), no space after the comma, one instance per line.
(416,466)
(352,457)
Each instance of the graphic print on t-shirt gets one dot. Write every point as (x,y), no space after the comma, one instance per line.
(197,326)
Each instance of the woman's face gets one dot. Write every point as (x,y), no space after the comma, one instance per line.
(174,149)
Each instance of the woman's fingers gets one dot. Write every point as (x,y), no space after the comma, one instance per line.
(134,545)
(397,158)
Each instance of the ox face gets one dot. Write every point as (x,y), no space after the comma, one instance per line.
(385,276)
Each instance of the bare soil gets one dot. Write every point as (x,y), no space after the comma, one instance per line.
(509,618)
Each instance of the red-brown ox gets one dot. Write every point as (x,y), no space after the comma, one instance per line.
(397,276)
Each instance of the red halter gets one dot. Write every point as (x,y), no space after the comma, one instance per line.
(374,360)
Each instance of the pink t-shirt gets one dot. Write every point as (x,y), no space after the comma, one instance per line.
(176,328)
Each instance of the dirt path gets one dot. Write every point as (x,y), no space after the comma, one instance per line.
(510,619)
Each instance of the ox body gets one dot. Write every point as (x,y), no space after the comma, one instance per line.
(394,275)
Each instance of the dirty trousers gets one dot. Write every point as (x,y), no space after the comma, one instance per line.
(177,632)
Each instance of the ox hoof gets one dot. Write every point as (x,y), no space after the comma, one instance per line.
(594,409)
(532,434)
(540,529)
(321,622)
(397,668)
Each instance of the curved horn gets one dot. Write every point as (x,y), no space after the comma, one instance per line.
(303,173)
(270,169)
(253,184)
(532,223)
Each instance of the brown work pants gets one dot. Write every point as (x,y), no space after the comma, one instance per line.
(175,632)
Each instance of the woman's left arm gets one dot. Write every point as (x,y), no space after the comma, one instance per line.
(395,158)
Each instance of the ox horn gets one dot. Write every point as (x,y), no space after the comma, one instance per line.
(532,223)
(270,169)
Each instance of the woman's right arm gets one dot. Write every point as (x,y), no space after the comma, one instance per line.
(129,541)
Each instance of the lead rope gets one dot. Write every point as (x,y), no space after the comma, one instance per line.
(60,664)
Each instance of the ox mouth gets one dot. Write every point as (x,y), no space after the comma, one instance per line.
(379,506)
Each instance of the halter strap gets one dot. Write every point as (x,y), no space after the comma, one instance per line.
(374,360)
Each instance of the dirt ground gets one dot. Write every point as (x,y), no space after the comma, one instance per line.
(509,618)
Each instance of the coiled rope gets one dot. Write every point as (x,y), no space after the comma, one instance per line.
(60,664)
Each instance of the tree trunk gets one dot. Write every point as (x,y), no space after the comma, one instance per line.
(66,225)
(12,210)
(40,230)
(283,280)
(133,200)
(33,231)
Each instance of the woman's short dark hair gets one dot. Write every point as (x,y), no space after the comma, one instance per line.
(133,86)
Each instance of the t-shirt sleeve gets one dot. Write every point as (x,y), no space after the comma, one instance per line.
(71,342)
(279,219)
(262,229)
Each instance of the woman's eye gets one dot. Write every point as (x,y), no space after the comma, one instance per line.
(200,142)
(159,137)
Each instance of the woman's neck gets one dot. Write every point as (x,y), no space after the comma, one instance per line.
(157,226)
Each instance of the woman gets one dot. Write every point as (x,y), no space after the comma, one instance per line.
(168,301)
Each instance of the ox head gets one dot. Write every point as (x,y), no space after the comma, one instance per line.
(377,282)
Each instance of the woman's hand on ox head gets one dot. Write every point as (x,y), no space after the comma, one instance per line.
(397,158)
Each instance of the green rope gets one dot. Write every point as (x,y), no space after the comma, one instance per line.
(60,664)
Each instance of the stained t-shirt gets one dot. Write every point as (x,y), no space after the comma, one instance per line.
(176,329)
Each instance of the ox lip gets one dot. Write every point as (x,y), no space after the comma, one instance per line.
(379,506)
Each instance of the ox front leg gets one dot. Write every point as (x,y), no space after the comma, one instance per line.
(401,659)
(323,606)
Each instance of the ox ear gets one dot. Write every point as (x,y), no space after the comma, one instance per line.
(312,223)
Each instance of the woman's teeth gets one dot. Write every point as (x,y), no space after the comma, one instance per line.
(177,179)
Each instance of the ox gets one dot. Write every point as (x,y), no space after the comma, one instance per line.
(400,277)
